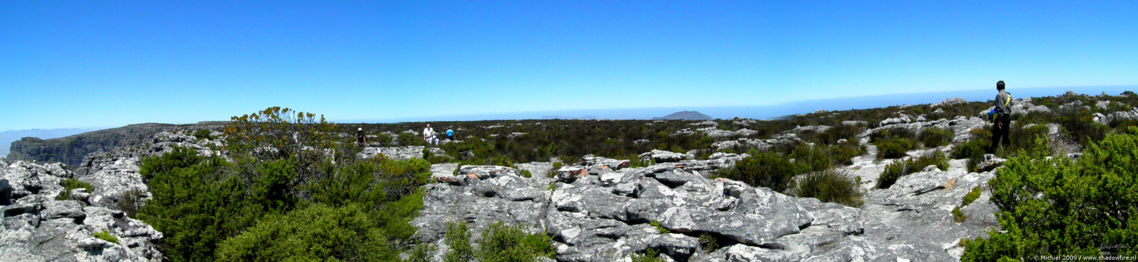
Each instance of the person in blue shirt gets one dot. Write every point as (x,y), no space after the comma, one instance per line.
(450,134)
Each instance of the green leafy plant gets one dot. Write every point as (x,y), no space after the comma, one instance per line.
(895,170)
(203,134)
(708,242)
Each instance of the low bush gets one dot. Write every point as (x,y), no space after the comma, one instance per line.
(1024,138)
(891,133)
(810,158)
(500,242)
(649,255)
(935,137)
(458,239)
(899,168)
(203,134)
(843,153)
(106,235)
(315,232)
(71,184)
(973,149)
(1063,207)
(935,158)
(766,169)
(894,147)
(708,242)
(829,186)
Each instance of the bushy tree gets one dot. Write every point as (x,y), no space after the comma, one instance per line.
(1057,206)
(286,130)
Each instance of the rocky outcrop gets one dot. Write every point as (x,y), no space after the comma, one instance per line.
(37,227)
(72,149)
(960,126)
(393,152)
(661,156)
(606,214)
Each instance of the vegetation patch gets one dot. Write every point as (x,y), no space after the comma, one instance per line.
(71,184)
(971,196)
(1064,207)
(829,186)
(936,137)
(895,170)
(501,242)
(766,169)
(106,235)
(894,147)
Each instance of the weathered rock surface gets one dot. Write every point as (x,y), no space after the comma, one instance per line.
(393,152)
(661,156)
(604,214)
(71,150)
(37,227)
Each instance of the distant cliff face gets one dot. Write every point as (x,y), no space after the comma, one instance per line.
(71,150)
(684,115)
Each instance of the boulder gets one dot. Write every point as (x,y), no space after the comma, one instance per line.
(661,156)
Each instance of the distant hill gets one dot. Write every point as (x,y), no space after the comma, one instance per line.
(684,115)
(71,149)
(7,137)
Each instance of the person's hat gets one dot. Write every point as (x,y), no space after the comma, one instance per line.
(360,129)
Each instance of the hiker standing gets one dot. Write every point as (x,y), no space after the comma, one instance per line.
(1002,118)
(429,135)
(361,140)
(450,134)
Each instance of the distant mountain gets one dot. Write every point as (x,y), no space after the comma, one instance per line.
(71,149)
(7,137)
(684,115)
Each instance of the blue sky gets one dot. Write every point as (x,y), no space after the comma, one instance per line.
(111,63)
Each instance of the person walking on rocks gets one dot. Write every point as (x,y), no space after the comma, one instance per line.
(450,134)
(1002,118)
(429,135)
(361,140)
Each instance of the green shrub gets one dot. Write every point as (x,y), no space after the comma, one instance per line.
(500,242)
(974,149)
(935,137)
(649,255)
(180,157)
(708,242)
(421,253)
(890,134)
(843,153)
(936,157)
(1024,138)
(659,228)
(458,239)
(958,215)
(829,186)
(71,184)
(1061,207)
(106,235)
(899,168)
(203,134)
(894,147)
(764,169)
(811,158)
(971,196)
(315,232)
(893,171)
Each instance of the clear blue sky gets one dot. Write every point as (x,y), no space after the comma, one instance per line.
(111,63)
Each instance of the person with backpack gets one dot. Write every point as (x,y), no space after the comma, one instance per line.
(1001,116)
